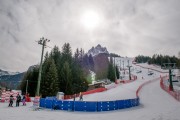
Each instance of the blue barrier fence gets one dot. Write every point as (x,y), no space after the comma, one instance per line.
(53,103)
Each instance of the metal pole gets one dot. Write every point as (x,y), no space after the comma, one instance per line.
(40,69)
(129,73)
(170,81)
(115,68)
(119,69)
(129,70)
(26,86)
(42,42)
(120,64)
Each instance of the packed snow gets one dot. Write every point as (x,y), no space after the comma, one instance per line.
(156,104)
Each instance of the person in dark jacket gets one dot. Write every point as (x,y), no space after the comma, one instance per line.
(18,99)
(11,101)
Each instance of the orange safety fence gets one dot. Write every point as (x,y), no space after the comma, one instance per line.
(85,93)
(174,93)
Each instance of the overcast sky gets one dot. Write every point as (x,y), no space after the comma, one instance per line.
(125,27)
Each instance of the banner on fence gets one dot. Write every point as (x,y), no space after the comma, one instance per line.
(36,101)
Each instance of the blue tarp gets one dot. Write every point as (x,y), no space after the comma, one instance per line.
(85,106)
(107,105)
(52,103)
(42,102)
(67,105)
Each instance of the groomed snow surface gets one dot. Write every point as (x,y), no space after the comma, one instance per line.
(156,104)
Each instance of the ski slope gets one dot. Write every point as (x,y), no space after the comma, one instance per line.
(156,104)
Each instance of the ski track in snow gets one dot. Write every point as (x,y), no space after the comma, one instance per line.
(156,104)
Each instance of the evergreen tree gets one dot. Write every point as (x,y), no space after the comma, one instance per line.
(66,79)
(49,86)
(117,72)
(32,77)
(60,72)
(91,62)
(111,71)
(66,53)
(55,54)
(76,55)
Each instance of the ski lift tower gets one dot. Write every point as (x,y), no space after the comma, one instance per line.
(42,42)
(129,67)
(169,66)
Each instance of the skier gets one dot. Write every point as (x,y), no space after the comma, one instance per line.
(24,100)
(11,101)
(18,99)
(81,96)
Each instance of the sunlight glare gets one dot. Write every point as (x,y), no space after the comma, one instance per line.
(90,19)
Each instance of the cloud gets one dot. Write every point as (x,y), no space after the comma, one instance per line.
(128,27)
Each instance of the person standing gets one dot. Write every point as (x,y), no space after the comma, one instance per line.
(18,99)
(24,100)
(81,96)
(11,101)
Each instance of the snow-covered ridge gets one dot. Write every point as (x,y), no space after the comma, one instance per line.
(3,72)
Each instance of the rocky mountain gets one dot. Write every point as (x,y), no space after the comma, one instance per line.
(101,63)
(97,50)
(10,79)
(31,68)
(3,72)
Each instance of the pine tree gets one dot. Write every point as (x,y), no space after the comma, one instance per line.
(111,71)
(60,72)
(117,72)
(55,54)
(31,76)
(66,78)
(91,62)
(49,84)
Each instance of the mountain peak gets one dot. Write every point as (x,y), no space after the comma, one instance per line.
(3,72)
(97,50)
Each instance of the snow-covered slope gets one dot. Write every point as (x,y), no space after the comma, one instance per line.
(156,104)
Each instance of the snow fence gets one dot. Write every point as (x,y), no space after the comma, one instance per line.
(6,95)
(89,106)
(175,93)
(85,93)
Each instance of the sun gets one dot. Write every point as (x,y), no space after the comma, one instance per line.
(90,19)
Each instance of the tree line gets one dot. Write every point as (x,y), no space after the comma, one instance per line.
(158,59)
(61,71)
(113,71)
(67,72)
